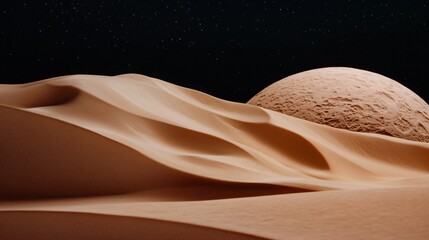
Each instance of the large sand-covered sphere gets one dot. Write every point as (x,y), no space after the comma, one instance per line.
(350,99)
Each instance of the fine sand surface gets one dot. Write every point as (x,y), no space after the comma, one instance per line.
(132,157)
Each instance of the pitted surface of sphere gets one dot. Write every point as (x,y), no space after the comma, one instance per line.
(351,99)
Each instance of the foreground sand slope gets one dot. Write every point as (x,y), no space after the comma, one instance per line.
(131,155)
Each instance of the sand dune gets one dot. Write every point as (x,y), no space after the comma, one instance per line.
(131,156)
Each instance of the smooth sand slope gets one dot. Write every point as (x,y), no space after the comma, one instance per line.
(132,157)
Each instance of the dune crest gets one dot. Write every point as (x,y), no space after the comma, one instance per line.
(112,141)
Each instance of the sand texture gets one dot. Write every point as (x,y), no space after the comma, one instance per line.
(132,157)
(351,99)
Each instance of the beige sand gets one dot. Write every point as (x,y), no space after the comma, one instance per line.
(132,157)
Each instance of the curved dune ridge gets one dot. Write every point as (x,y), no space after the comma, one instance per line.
(131,156)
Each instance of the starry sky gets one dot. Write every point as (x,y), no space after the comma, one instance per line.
(231,49)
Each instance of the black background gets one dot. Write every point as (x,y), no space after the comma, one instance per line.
(229,49)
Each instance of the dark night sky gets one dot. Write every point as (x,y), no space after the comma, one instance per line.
(229,49)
